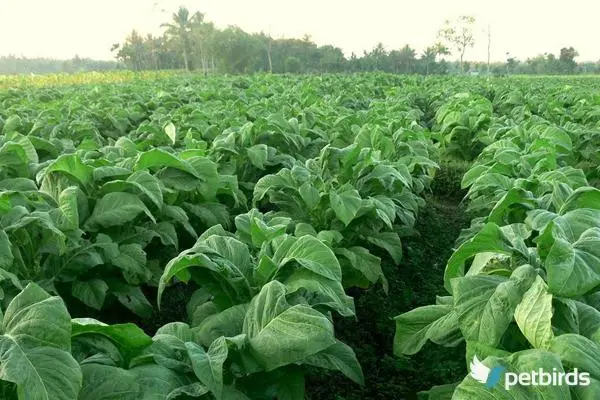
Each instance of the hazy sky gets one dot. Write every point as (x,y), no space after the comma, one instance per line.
(63,28)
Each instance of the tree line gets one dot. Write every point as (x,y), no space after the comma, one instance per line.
(10,65)
(191,42)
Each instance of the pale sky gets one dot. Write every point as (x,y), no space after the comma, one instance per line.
(63,28)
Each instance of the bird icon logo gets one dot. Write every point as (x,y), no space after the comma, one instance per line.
(485,375)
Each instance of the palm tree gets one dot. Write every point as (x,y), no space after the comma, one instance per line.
(428,58)
(406,57)
(431,53)
(202,39)
(180,29)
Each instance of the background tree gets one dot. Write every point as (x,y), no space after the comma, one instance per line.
(331,59)
(566,60)
(302,49)
(239,52)
(134,52)
(201,42)
(429,57)
(179,29)
(552,64)
(292,64)
(459,34)
(353,63)
(407,60)
(190,41)
(466,65)
(269,46)
(511,65)
(588,67)
(378,58)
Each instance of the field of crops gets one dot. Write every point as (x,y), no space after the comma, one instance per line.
(186,237)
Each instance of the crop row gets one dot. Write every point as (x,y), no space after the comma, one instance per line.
(112,194)
(270,197)
(522,284)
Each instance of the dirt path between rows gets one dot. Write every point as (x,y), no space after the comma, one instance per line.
(414,283)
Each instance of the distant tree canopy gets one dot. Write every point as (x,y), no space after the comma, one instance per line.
(191,42)
(232,50)
(18,65)
(550,64)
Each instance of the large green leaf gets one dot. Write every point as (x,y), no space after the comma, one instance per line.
(438,323)
(279,334)
(35,347)
(258,155)
(157,382)
(534,315)
(515,198)
(321,291)
(68,206)
(574,268)
(71,165)
(578,351)
(157,158)
(485,305)
(28,316)
(105,382)
(228,323)
(584,197)
(132,297)
(129,339)
(132,261)
(171,132)
(311,254)
(140,182)
(358,259)
(489,239)
(390,242)
(573,224)
(338,357)
(41,373)
(91,292)
(167,233)
(178,267)
(116,209)
(271,182)
(222,274)
(588,319)
(208,365)
(345,204)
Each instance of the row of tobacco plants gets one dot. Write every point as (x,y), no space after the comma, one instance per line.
(523,283)
(269,198)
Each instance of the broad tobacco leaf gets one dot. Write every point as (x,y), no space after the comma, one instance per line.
(35,347)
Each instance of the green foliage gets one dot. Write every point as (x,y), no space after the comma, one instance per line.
(461,122)
(274,198)
(270,213)
(523,278)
